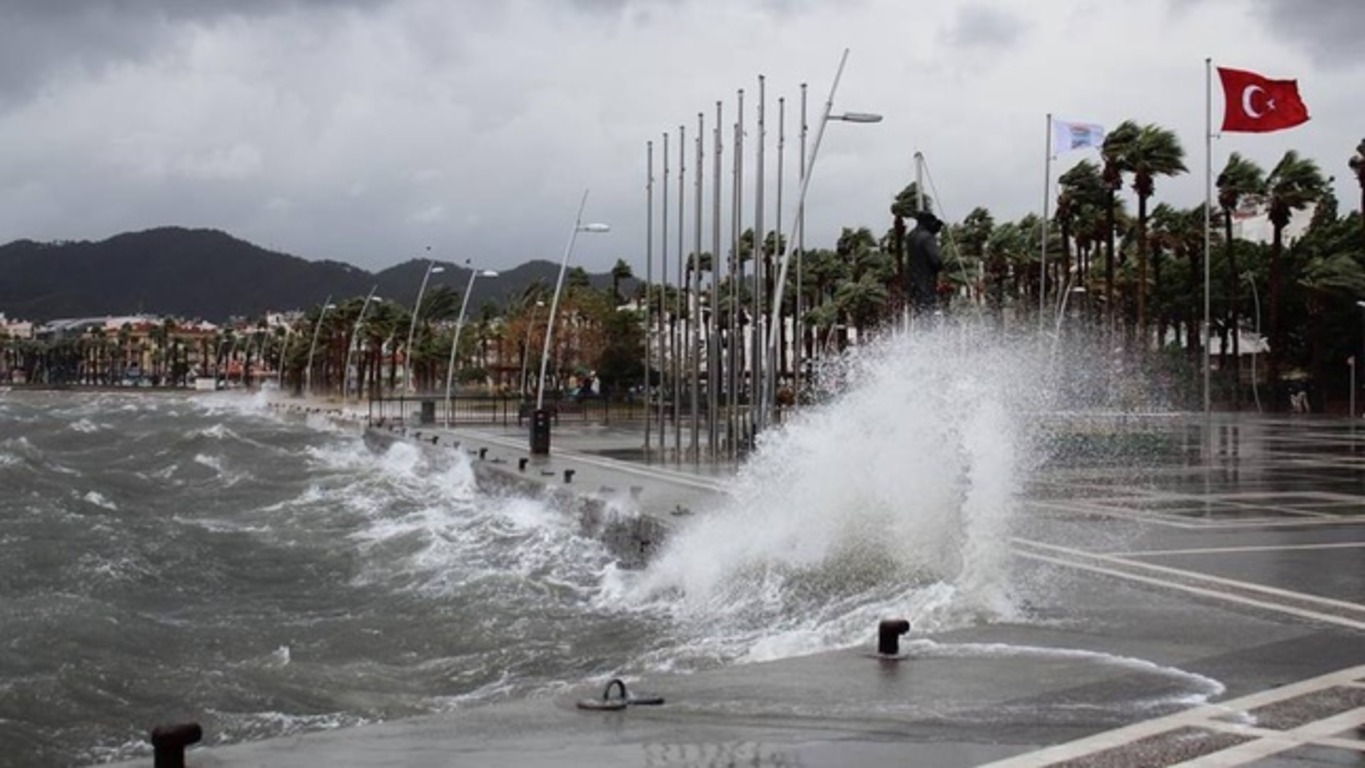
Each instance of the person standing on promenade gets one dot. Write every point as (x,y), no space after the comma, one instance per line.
(924,263)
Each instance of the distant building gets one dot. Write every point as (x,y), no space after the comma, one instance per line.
(15,329)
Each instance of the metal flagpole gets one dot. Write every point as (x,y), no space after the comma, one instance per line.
(649,285)
(799,325)
(1047,190)
(714,357)
(663,301)
(675,328)
(781,329)
(758,388)
(694,305)
(745,367)
(1208,207)
(732,347)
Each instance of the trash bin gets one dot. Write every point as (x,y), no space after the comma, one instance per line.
(428,414)
(540,431)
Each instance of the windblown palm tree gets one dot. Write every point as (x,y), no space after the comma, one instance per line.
(1153,152)
(1115,154)
(1357,163)
(1292,185)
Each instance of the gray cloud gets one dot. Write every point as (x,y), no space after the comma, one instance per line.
(1327,30)
(986,27)
(44,39)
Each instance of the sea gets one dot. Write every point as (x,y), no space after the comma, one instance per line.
(175,556)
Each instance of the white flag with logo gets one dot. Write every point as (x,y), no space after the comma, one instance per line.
(1068,136)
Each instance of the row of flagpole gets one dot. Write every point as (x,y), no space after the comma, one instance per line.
(688,350)
(679,344)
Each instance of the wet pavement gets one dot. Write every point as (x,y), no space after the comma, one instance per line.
(1206,607)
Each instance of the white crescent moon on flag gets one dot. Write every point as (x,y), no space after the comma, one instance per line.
(1247,93)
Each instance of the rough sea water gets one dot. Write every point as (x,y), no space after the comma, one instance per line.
(173,557)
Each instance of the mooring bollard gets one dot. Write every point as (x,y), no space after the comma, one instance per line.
(889,633)
(169,742)
(521,464)
(482,453)
(568,475)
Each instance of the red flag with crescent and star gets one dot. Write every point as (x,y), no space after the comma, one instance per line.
(1258,104)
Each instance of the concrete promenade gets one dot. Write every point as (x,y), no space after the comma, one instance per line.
(1205,606)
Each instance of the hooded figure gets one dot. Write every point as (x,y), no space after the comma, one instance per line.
(924,262)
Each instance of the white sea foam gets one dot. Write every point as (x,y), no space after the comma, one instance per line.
(99,500)
(84,426)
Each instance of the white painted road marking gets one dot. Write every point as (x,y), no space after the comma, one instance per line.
(1206,717)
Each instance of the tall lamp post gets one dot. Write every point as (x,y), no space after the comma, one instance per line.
(350,348)
(769,389)
(312,347)
(432,269)
(540,420)
(459,326)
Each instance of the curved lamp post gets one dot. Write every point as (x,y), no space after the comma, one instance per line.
(350,348)
(312,347)
(408,383)
(540,423)
(459,326)
(768,392)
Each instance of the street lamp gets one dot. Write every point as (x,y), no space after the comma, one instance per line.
(350,348)
(459,326)
(432,269)
(312,347)
(540,421)
(769,389)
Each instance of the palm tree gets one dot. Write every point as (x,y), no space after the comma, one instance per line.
(619,271)
(1154,151)
(1115,152)
(1292,185)
(1083,195)
(1239,178)
(1357,164)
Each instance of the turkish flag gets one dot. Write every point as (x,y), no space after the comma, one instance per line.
(1256,104)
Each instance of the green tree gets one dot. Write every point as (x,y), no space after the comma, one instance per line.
(1153,152)
(1292,185)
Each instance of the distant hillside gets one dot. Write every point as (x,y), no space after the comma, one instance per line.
(200,273)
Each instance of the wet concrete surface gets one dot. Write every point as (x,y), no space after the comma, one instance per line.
(1201,603)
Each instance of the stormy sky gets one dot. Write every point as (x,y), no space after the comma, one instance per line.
(367,130)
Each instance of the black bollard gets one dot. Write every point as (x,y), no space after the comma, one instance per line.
(521,464)
(888,636)
(169,742)
(483,452)
(568,475)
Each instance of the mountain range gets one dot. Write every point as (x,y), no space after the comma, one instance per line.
(210,275)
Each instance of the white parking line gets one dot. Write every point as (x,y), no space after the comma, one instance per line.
(1222,550)
(1304,613)
(1205,717)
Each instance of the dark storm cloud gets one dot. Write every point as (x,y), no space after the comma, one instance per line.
(983,26)
(40,39)
(1328,30)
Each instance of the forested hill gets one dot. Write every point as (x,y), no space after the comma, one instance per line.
(208,274)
